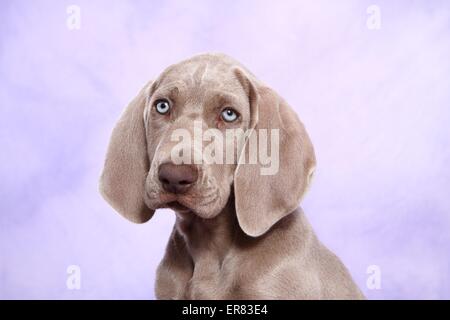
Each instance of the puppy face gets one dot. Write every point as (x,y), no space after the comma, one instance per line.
(209,97)
(203,95)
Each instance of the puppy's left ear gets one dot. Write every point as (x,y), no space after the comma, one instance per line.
(122,182)
(262,200)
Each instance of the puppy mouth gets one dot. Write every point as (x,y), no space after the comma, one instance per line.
(177,206)
(183,203)
(175,202)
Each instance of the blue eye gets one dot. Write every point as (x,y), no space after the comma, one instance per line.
(229,115)
(162,106)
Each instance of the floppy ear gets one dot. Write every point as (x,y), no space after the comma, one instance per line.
(262,200)
(122,182)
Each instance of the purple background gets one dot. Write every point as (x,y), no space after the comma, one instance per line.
(375,102)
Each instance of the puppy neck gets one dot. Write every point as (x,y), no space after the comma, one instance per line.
(208,238)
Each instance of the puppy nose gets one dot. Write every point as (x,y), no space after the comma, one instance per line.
(177,178)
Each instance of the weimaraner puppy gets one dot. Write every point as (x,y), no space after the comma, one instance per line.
(239,234)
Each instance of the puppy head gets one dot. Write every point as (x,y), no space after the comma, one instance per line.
(185,141)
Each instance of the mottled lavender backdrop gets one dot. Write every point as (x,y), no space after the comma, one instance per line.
(376,103)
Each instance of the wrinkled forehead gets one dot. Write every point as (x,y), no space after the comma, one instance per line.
(201,78)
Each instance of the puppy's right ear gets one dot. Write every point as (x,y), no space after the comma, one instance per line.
(122,182)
